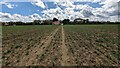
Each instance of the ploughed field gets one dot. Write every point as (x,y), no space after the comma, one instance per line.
(68,45)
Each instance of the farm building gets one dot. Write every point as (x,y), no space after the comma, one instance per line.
(55,21)
(5,24)
(80,20)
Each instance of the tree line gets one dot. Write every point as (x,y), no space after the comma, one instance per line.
(65,22)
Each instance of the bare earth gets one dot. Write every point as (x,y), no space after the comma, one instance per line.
(59,46)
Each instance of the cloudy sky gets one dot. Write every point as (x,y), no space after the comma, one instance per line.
(29,10)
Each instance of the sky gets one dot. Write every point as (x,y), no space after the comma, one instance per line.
(29,10)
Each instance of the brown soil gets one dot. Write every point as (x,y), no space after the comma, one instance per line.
(37,51)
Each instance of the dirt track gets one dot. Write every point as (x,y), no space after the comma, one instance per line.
(64,50)
(38,50)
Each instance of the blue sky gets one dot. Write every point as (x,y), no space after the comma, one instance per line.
(91,9)
(26,8)
(23,8)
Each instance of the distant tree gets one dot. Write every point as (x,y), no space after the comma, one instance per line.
(3,23)
(117,22)
(18,23)
(55,19)
(28,23)
(66,21)
(47,22)
(36,22)
(87,20)
(10,23)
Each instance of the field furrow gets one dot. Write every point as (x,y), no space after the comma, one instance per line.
(65,45)
(65,55)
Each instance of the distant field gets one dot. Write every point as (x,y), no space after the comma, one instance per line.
(68,45)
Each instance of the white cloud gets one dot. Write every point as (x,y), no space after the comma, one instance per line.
(52,12)
(72,0)
(67,3)
(35,16)
(109,9)
(107,12)
(38,3)
(10,6)
(85,11)
(114,18)
(6,17)
(55,11)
